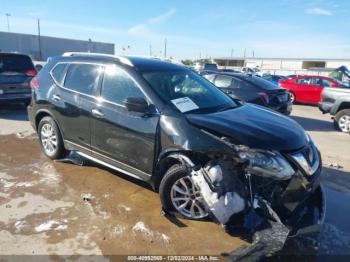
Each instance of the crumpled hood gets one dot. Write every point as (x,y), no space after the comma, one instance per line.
(253,126)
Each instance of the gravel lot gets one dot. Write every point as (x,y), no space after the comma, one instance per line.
(42,210)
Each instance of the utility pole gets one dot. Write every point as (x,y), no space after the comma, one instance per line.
(8,21)
(150,50)
(253,54)
(165,43)
(245,50)
(232,52)
(39,41)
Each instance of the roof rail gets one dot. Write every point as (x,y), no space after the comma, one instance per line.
(121,59)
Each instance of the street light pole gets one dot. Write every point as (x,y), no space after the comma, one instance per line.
(39,40)
(8,21)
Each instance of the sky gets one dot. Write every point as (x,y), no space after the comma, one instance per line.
(193,29)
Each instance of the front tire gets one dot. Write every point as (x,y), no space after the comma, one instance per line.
(50,138)
(342,120)
(178,194)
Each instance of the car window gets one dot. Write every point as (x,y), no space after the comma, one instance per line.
(268,77)
(222,81)
(259,82)
(83,78)
(303,81)
(241,84)
(326,82)
(210,77)
(58,72)
(316,81)
(117,85)
(15,63)
(192,89)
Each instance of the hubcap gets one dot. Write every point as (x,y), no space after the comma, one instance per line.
(187,199)
(344,123)
(48,139)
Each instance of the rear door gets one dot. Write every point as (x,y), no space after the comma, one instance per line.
(303,89)
(122,138)
(73,99)
(317,87)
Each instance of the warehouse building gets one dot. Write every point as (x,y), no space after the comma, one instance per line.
(283,65)
(40,48)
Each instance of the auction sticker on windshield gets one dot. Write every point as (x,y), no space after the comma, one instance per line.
(184,104)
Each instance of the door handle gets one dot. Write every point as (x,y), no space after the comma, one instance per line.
(56,98)
(97,113)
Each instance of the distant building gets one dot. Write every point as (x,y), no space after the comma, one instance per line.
(284,65)
(49,46)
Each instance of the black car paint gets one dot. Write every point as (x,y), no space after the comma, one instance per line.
(251,125)
(147,144)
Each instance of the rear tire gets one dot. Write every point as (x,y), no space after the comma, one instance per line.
(178,195)
(50,138)
(342,120)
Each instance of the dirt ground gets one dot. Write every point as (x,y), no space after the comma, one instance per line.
(43,211)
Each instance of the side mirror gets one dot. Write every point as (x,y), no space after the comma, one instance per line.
(136,104)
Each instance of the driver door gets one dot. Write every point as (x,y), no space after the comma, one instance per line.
(122,138)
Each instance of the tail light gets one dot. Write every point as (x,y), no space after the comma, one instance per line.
(34,83)
(265,97)
(31,72)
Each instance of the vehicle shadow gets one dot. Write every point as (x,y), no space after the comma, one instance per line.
(311,124)
(16,112)
(337,179)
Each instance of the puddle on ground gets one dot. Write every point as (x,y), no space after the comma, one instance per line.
(43,211)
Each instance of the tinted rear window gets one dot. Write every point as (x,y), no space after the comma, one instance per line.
(58,72)
(15,63)
(260,82)
(83,78)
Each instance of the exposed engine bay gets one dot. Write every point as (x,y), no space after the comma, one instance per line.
(253,194)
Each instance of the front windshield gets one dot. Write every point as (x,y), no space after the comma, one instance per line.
(188,91)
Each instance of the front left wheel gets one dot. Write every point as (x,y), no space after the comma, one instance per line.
(50,138)
(179,194)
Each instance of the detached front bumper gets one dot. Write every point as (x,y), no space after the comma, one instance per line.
(310,216)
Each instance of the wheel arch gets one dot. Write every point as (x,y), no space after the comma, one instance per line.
(43,113)
(166,160)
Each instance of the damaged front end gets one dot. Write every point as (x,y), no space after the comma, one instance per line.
(252,189)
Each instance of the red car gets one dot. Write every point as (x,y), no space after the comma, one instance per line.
(307,89)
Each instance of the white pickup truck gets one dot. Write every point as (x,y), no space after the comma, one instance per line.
(336,101)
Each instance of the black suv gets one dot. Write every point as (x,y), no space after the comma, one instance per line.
(253,89)
(164,124)
(16,71)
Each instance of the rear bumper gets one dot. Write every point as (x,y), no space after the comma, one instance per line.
(285,109)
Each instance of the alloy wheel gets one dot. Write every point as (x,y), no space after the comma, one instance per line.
(48,138)
(344,123)
(187,199)
(292,97)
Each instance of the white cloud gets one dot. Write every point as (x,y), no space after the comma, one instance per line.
(144,28)
(318,11)
(163,17)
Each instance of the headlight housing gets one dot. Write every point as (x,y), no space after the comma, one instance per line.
(266,163)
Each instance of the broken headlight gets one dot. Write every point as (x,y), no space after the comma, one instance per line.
(266,163)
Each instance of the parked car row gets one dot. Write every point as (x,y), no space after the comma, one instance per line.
(165,124)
